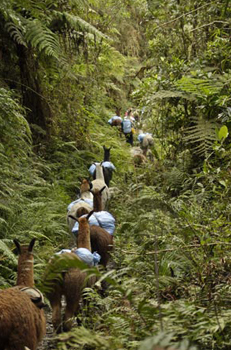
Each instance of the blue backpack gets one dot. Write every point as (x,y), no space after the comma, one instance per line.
(126,126)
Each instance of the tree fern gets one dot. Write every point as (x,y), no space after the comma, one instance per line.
(16,32)
(78,24)
(164,94)
(199,87)
(203,134)
(42,38)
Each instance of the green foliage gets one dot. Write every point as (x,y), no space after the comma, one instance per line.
(42,38)
(203,133)
(169,286)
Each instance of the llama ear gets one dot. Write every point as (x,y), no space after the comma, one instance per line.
(73,217)
(31,245)
(104,147)
(102,189)
(89,214)
(17,244)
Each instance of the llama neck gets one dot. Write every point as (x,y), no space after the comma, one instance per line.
(86,195)
(99,172)
(25,272)
(97,203)
(83,238)
(106,156)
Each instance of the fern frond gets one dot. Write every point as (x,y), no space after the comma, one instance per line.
(80,336)
(42,38)
(199,87)
(16,33)
(5,250)
(78,24)
(202,132)
(5,209)
(112,86)
(169,94)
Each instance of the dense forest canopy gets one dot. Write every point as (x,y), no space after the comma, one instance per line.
(66,67)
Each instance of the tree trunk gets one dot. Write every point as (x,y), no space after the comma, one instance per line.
(38,110)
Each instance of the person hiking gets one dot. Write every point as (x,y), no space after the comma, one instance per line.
(126,126)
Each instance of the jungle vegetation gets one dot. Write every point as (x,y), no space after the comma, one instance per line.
(65,68)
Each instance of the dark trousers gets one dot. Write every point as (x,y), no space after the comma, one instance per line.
(129,138)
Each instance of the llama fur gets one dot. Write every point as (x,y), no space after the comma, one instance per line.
(86,208)
(107,172)
(72,283)
(147,142)
(101,240)
(99,183)
(138,157)
(22,322)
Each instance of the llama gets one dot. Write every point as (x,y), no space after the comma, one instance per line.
(106,157)
(86,185)
(99,183)
(146,141)
(101,240)
(115,121)
(107,166)
(85,202)
(72,283)
(22,320)
(138,157)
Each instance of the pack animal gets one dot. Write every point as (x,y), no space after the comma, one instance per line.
(101,240)
(73,281)
(107,171)
(86,197)
(22,320)
(99,183)
(147,142)
(138,157)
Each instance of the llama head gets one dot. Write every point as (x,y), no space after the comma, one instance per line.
(81,211)
(86,217)
(86,185)
(106,153)
(25,274)
(24,248)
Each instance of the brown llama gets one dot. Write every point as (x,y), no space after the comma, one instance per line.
(99,183)
(86,185)
(101,240)
(22,320)
(72,283)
